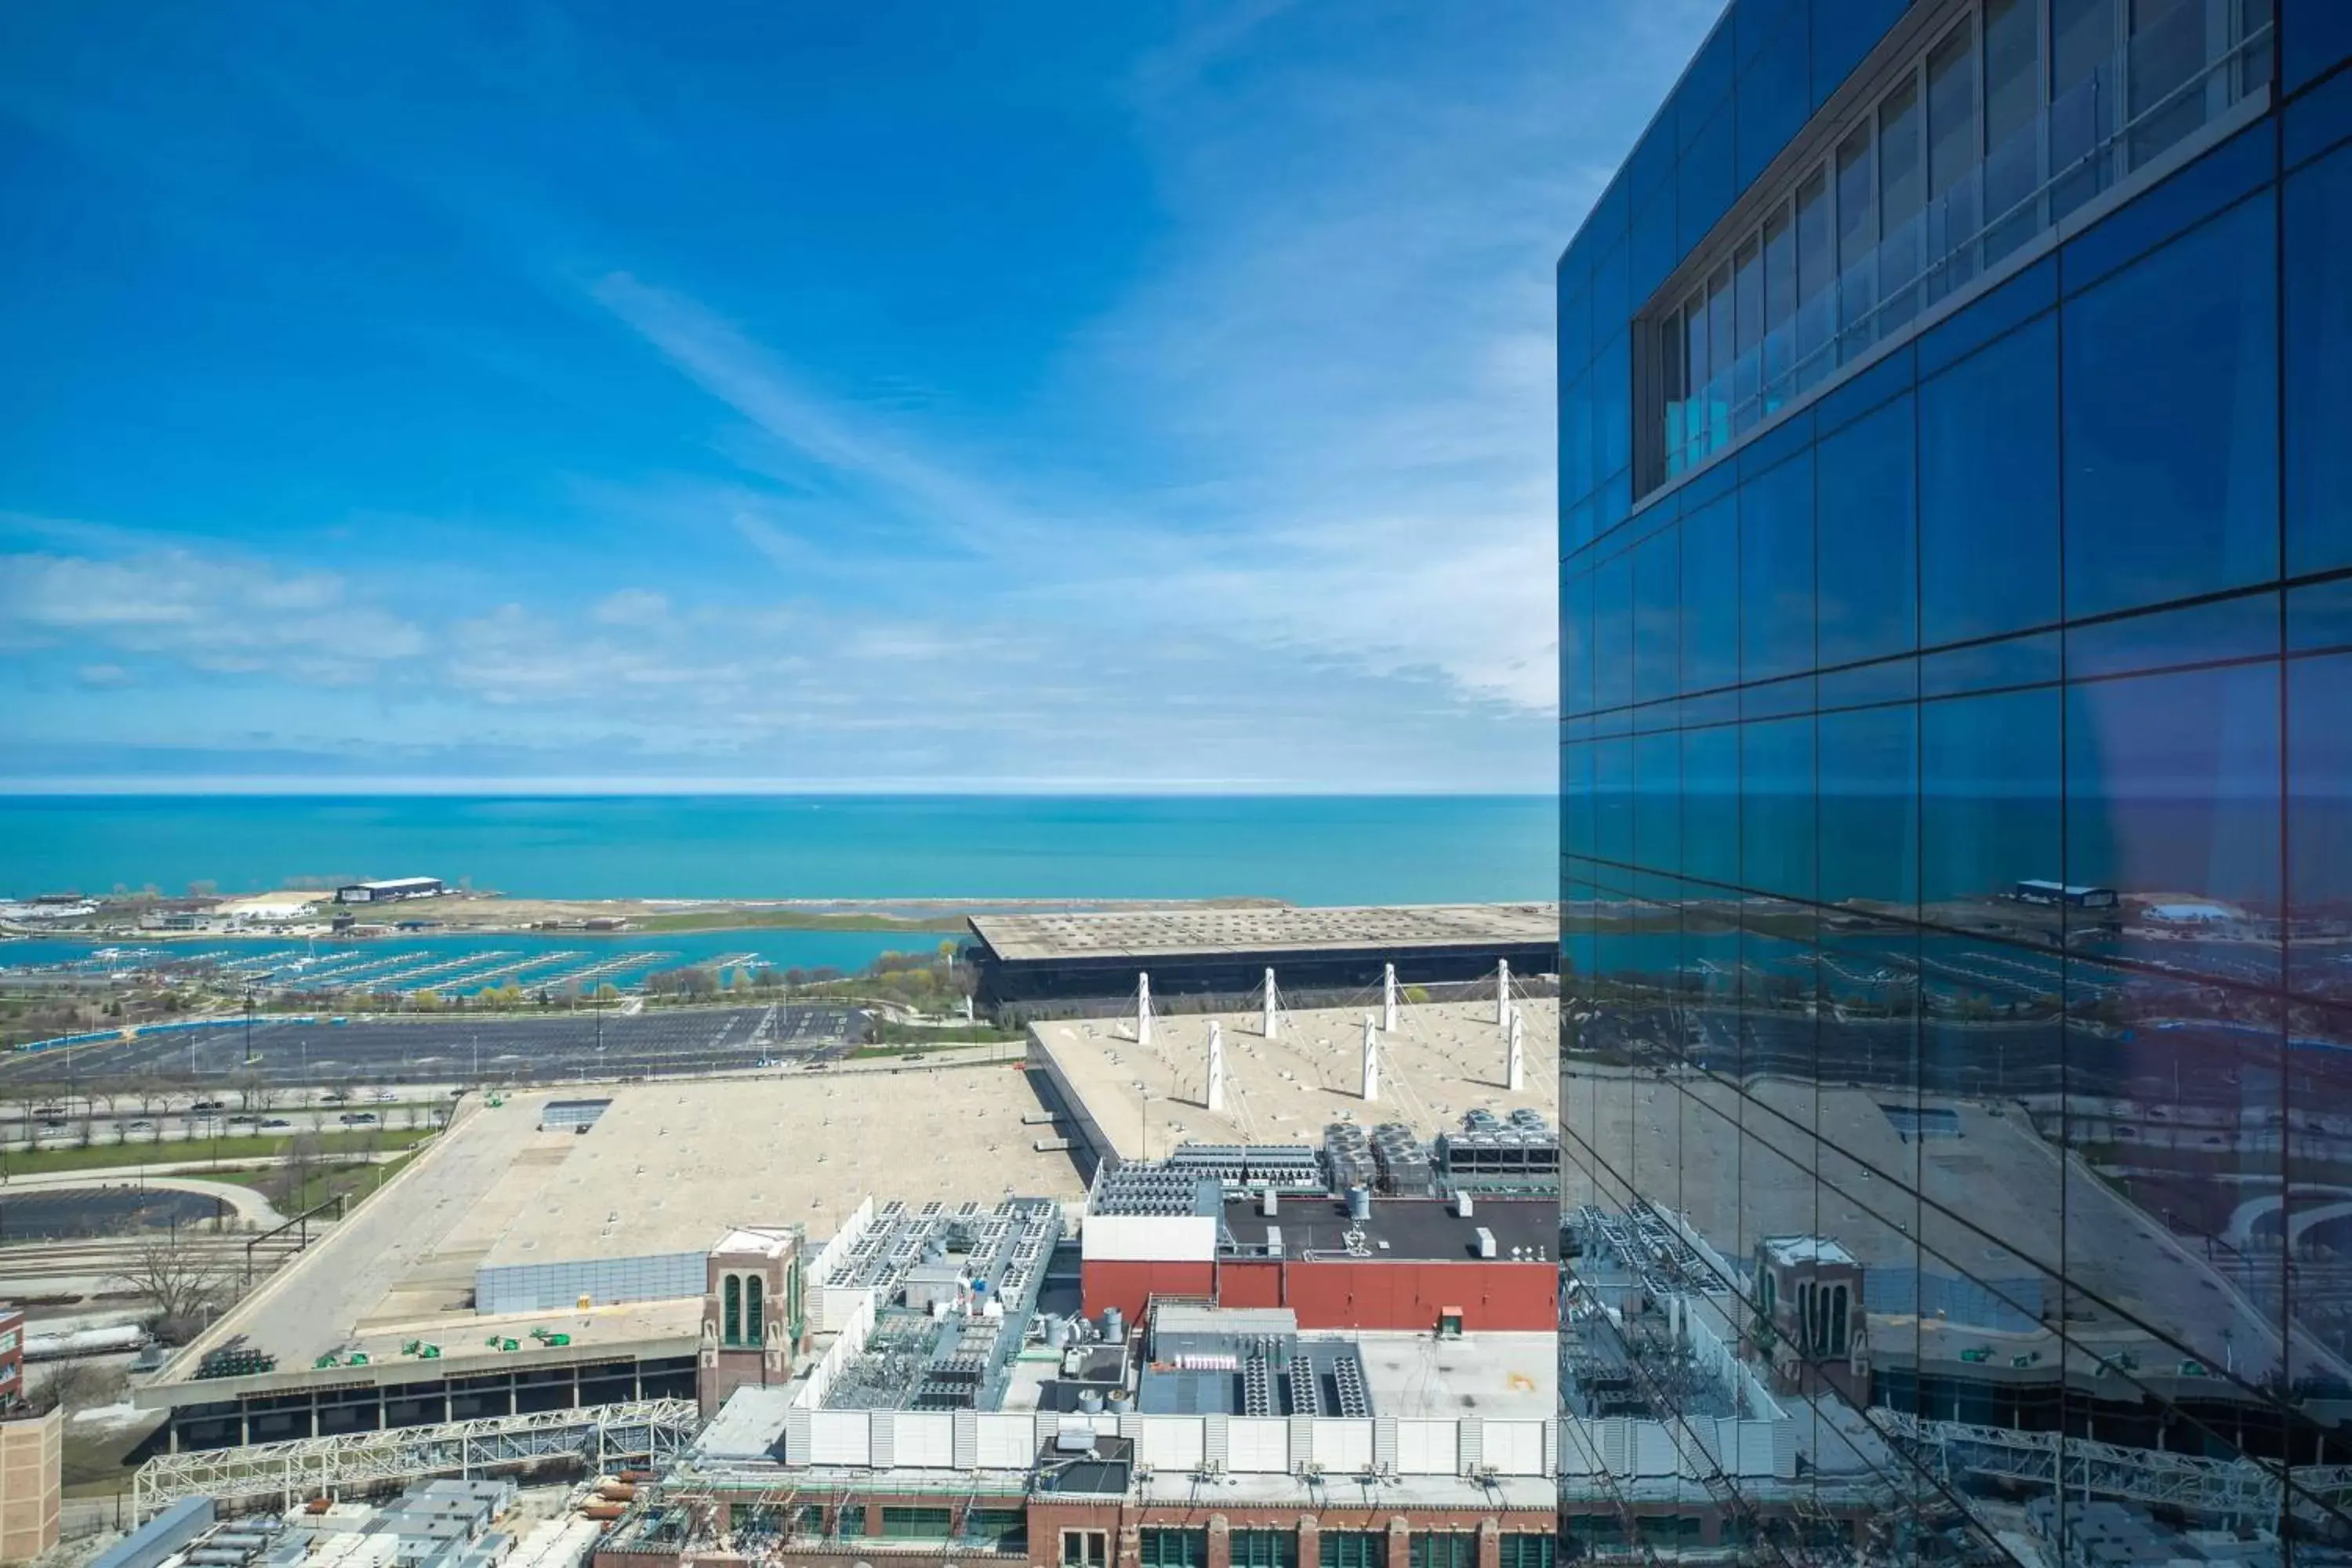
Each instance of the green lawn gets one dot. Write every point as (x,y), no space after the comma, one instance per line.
(244,1149)
(356,1181)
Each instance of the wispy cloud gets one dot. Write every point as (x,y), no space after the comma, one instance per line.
(1273,506)
(228,616)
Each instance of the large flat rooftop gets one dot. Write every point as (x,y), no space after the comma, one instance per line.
(1138,1102)
(668,1168)
(1197,933)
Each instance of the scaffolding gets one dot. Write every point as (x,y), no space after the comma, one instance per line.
(651,1431)
(2235,1490)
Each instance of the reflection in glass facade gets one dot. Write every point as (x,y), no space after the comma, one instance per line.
(1956,760)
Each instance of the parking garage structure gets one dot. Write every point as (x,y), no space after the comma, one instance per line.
(1050,958)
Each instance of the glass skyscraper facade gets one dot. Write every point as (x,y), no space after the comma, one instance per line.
(1956,629)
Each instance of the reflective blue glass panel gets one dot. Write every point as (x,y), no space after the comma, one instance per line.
(1702,187)
(2171,420)
(1870,803)
(1612,633)
(1777,806)
(1612,405)
(1657,620)
(1776,572)
(1868,538)
(2319,818)
(1845,31)
(1988,491)
(1774,98)
(1989,800)
(1653,252)
(2316,37)
(1711,803)
(2318,304)
(1704,84)
(1711,597)
(1657,802)
(2172,793)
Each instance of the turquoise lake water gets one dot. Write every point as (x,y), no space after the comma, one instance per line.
(1308,850)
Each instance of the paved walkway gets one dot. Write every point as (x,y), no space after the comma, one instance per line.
(247,1201)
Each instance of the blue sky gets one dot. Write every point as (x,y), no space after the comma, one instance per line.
(789,395)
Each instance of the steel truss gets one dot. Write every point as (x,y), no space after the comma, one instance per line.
(2234,1488)
(651,1431)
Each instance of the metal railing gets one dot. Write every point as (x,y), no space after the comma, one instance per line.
(655,1431)
(2180,75)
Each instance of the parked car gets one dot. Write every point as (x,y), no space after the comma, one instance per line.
(142,1127)
(274,1122)
(357,1119)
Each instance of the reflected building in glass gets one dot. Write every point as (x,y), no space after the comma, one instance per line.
(1955,761)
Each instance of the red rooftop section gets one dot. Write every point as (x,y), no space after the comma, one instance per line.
(1395,1263)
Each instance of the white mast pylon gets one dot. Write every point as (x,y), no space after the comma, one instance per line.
(1515,1072)
(1372,1062)
(1503,990)
(1216,1096)
(1272,1015)
(1388,999)
(1143,1009)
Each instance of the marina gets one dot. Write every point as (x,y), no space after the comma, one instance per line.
(552,963)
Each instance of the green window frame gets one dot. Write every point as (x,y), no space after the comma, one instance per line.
(730,1311)
(755,1327)
(1530,1551)
(1003,1529)
(1176,1548)
(917,1523)
(1444,1549)
(1262,1548)
(1352,1549)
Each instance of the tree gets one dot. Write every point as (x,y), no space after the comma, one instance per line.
(80,1385)
(180,1278)
(294,1172)
(426,1001)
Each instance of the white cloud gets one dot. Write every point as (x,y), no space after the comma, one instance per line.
(225,616)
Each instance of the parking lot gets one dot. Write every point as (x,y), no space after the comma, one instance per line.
(559,1047)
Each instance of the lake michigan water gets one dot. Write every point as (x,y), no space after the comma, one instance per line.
(1308,850)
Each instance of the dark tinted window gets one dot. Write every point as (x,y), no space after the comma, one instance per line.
(1776,572)
(1657,595)
(1869,569)
(2318,411)
(1704,188)
(1710,570)
(2171,416)
(1988,491)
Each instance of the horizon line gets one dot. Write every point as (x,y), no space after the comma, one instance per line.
(628,788)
